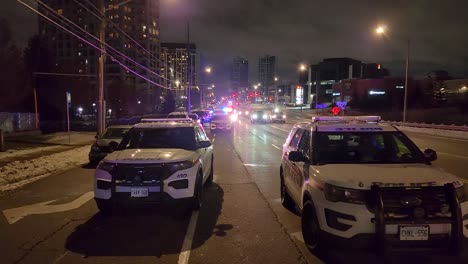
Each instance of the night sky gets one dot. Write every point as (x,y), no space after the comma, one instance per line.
(309,30)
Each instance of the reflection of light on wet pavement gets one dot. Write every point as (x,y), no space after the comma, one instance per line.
(255,165)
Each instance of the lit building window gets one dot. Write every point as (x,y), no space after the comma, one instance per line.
(60,11)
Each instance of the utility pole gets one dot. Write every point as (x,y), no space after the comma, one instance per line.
(189,75)
(101,115)
(406,80)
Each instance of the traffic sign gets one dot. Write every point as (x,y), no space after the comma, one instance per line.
(335,110)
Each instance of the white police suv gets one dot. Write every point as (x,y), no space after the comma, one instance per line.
(357,179)
(158,161)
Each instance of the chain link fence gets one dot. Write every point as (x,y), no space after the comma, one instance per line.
(15,122)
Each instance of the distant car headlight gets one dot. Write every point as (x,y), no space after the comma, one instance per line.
(274,116)
(246,112)
(265,116)
(340,194)
(105,166)
(284,116)
(255,116)
(95,148)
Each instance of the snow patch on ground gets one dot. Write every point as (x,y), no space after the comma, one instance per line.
(12,153)
(18,173)
(435,132)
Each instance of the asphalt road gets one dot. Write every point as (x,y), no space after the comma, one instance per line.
(242,220)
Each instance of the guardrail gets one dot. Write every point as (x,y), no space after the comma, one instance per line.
(433,126)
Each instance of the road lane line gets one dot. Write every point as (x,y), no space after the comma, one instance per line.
(187,246)
(276,146)
(262,138)
(287,131)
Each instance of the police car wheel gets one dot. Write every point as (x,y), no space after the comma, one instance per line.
(286,200)
(311,228)
(209,181)
(198,194)
(104,206)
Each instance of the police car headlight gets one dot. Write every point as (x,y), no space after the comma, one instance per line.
(265,116)
(462,193)
(95,148)
(340,194)
(178,166)
(105,166)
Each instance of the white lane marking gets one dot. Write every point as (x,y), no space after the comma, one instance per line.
(15,214)
(276,146)
(287,131)
(452,155)
(187,246)
(60,257)
(297,236)
(262,138)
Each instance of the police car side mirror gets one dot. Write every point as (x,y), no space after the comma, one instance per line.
(296,156)
(430,154)
(204,144)
(113,146)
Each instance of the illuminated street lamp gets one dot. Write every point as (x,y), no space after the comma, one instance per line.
(208,69)
(302,67)
(381,30)
(255,87)
(177,83)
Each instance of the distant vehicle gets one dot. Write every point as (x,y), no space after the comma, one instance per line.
(107,143)
(356,179)
(221,123)
(178,115)
(165,161)
(194,117)
(204,115)
(260,116)
(279,117)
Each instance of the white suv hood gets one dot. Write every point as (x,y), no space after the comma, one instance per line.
(363,176)
(150,156)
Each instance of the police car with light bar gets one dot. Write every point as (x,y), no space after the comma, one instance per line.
(356,178)
(158,161)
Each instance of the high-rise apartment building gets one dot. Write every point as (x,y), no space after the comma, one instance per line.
(179,65)
(133,21)
(266,73)
(239,74)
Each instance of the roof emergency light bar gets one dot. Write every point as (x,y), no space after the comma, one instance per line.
(369,119)
(166,120)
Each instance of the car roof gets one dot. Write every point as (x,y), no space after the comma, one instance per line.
(347,124)
(167,123)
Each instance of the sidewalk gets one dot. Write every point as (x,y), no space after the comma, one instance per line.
(31,157)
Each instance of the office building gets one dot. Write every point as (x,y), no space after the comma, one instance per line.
(266,73)
(239,74)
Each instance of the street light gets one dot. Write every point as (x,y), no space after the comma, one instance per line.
(255,87)
(303,68)
(208,69)
(381,30)
(276,91)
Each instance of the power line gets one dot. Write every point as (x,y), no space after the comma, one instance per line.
(90,44)
(103,16)
(120,54)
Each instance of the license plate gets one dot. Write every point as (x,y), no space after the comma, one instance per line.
(412,233)
(139,192)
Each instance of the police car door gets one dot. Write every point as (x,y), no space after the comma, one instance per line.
(205,153)
(302,172)
(292,168)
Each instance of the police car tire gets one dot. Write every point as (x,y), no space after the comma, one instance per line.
(198,194)
(286,199)
(104,206)
(311,228)
(209,180)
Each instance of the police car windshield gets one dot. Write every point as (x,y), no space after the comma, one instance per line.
(114,132)
(365,147)
(153,138)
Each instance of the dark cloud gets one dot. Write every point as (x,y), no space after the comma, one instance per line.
(310,30)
